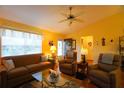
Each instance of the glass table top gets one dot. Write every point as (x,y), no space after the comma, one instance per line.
(43,78)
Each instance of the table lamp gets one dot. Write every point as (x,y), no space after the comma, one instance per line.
(84,52)
(53,49)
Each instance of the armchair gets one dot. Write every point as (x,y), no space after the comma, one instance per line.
(106,75)
(68,64)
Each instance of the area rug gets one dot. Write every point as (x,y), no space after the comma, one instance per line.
(64,82)
(36,84)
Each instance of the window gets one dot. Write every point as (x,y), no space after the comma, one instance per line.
(60,48)
(20,43)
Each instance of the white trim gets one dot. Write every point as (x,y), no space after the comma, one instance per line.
(2,29)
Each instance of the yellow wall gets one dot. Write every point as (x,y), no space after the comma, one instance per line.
(47,35)
(109,28)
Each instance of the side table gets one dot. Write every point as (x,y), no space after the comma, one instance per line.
(83,67)
(82,70)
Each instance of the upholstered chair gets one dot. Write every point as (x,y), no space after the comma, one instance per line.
(107,72)
(68,64)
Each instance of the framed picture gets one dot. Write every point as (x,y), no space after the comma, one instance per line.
(50,43)
(89,44)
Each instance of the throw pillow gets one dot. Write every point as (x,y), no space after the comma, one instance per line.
(43,58)
(9,64)
(107,58)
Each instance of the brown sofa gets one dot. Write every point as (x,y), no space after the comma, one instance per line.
(106,75)
(68,64)
(25,65)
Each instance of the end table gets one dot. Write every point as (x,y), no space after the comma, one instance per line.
(82,68)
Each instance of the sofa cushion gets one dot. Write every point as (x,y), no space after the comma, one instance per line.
(9,64)
(106,67)
(17,72)
(38,67)
(23,60)
(99,74)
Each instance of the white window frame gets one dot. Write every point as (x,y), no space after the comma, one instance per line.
(2,29)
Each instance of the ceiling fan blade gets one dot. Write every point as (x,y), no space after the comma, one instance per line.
(70,22)
(79,14)
(66,15)
(78,20)
(63,20)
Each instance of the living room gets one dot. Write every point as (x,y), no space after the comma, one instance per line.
(50,34)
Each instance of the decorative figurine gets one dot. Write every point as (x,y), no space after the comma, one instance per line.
(103,41)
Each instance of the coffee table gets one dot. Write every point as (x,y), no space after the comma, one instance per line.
(42,78)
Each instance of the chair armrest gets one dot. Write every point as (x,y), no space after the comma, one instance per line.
(95,66)
(74,66)
(62,61)
(3,77)
(75,62)
(115,78)
(2,69)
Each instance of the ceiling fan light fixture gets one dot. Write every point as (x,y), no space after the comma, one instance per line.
(70,17)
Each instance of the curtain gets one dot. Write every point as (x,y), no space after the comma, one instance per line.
(20,43)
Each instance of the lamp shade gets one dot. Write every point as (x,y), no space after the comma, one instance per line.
(84,51)
(53,49)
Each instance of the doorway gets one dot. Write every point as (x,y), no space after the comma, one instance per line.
(87,44)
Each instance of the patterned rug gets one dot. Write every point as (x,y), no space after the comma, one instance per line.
(36,84)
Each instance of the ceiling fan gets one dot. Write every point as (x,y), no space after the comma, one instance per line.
(71,17)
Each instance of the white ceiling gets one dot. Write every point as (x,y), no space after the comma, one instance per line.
(48,17)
